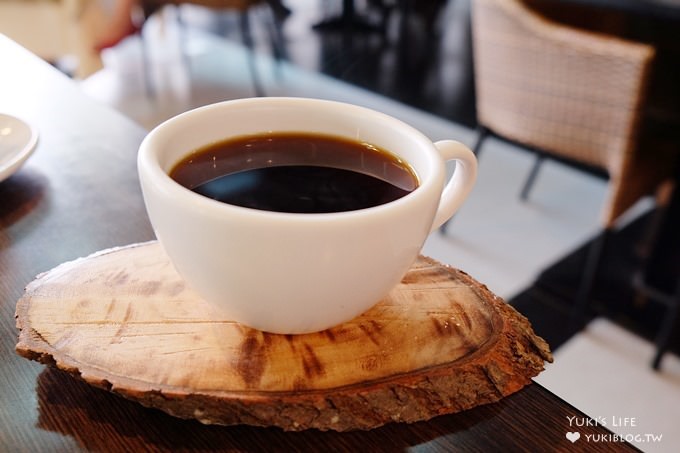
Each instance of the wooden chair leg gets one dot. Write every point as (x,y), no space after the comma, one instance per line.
(668,327)
(181,34)
(247,36)
(529,183)
(276,39)
(482,133)
(588,277)
(148,8)
(146,67)
(277,42)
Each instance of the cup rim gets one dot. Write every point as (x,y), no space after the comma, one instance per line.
(149,166)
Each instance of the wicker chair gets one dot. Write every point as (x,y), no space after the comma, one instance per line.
(570,94)
(243,8)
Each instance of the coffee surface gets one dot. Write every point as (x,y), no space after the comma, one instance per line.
(296,172)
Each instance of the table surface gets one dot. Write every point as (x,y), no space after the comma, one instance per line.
(78,194)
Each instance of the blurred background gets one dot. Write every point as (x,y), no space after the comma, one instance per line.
(573,107)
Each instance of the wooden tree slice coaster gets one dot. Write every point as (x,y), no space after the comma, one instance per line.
(123,320)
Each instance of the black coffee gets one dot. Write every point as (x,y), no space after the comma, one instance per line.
(296,172)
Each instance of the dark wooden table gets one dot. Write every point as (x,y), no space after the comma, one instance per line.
(78,194)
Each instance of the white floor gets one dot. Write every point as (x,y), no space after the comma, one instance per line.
(604,373)
(497,239)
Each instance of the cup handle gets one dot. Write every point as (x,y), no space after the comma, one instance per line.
(461,182)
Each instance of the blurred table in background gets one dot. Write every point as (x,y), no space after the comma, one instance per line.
(59,31)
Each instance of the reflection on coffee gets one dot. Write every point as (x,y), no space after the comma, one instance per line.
(296,172)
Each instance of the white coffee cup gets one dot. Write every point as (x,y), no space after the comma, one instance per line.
(296,273)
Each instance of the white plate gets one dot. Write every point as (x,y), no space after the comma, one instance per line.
(17,142)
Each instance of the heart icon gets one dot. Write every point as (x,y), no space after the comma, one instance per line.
(573,437)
